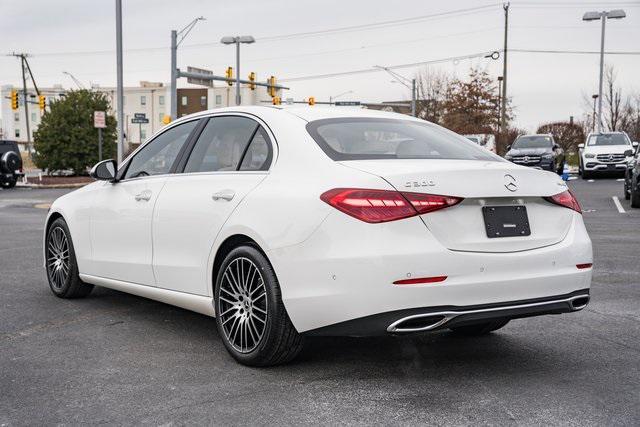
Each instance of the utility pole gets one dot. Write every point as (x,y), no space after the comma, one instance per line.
(24,64)
(503,106)
(120,88)
(26,101)
(413,97)
(174,74)
(595,97)
(238,98)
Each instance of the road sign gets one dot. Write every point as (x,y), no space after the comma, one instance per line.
(140,115)
(196,81)
(141,120)
(347,103)
(99,119)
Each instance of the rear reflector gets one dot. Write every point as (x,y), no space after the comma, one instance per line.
(565,199)
(375,206)
(419,280)
(583,266)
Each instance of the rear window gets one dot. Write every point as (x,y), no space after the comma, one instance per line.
(371,138)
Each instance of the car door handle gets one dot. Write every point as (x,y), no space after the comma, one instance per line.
(143,196)
(226,195)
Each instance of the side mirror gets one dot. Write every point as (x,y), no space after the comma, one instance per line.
(628,153)
(104,171)
(508,147)
(556,147)
(580,146)
(634,144)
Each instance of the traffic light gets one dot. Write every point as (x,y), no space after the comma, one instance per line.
(312,100)
(272,87)
(276,100)
(252,79)
(14,99)
(42,101)
(229,75)
(166,119)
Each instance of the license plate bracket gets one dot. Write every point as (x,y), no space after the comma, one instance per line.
(506,221)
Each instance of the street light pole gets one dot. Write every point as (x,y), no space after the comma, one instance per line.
(602,16)
(237,40)
(238,98)
(174,62)
(119,89)
(331,98)
(593,126)
(413,97)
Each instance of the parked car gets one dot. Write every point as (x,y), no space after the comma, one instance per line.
(607,152)
(539,151)
(632,179)
(10,164)
(485,140)
(300,221)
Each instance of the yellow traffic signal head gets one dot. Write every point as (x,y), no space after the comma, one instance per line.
(166,119)
(272,87)
(42,102)
(252,79)
(276,100)
(229,75)
(312,100)
(14,99)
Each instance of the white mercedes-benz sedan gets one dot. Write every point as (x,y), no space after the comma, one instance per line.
(289,222)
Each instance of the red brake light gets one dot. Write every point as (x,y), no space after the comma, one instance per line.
(376,206)
(566,199)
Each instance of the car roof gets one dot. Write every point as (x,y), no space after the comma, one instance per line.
(307,113)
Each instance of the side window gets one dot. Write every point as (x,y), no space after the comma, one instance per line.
(157,157)
(258,156)
(221,144)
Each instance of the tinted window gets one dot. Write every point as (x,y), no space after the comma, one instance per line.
(221,144)
(365,138)
(258,155)
(157,157)
(532,142)
(608,139)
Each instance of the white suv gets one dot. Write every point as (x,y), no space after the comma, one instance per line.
(604,152)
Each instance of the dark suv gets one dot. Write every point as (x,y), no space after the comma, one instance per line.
(537,151)
(632,179)
(10,164)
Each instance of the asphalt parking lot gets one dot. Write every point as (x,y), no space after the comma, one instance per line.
(118,359)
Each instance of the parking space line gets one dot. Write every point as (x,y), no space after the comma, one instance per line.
(618,205)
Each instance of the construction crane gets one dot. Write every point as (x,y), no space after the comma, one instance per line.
(76,81)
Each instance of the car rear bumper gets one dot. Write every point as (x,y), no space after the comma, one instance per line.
(345,272)
(427,319)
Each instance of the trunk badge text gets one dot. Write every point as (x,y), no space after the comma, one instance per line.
(510,183)
(423,183)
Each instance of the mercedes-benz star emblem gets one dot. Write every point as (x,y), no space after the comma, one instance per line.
(510,183)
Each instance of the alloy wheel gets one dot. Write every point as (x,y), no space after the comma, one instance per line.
(58,258)
(242,305)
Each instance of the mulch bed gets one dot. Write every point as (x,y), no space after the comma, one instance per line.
(59,180)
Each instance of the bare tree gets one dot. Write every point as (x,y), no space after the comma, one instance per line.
(613,101)
(432,87)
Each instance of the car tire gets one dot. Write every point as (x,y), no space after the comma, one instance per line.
(627,193)
(61,265)
(635,196)
(250,315)
(586,174)
(481,328)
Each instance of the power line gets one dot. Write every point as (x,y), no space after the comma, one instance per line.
(578,52)
(391,67)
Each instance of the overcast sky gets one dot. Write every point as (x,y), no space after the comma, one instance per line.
(79,36)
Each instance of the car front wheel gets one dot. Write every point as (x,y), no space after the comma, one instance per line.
(250,315)
(61,265)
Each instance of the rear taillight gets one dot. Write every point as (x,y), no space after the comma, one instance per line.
(565,199)
(375,206)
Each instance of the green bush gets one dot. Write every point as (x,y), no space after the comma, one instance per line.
(66,138)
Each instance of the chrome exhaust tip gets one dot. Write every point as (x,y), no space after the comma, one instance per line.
(579,302)
(419,323)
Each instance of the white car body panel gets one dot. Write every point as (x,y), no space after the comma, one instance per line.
(330,266)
